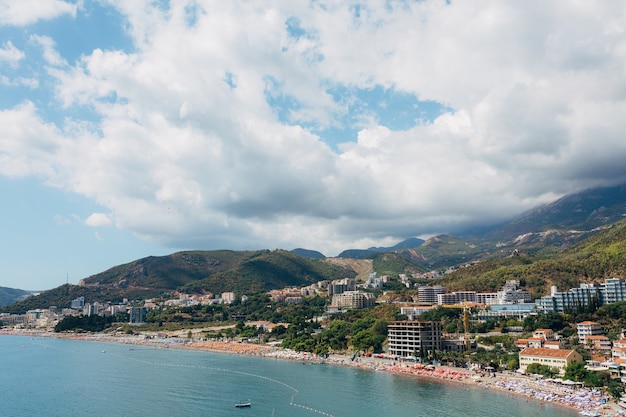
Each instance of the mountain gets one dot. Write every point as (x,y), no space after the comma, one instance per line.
(412,242)
(307,253)
(11,295)
(192,271)
(543,230)
(560,243)
(575,214)
(267,270)
(409,243)
(596,258)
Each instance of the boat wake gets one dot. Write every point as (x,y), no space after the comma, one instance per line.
(292,401)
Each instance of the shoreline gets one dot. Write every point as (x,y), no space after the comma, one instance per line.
(574,399)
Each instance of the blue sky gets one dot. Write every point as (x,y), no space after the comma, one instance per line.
(142,128)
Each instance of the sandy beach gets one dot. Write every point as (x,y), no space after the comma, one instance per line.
(534,389)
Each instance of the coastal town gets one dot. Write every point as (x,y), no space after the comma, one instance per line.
(542,357)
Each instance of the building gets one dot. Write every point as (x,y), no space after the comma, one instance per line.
(552,344)
(598,343)
(428,295)
(535,342)
(554,358)
(573,299)
(339,286)
(456,344)
(78,303)
(413,338)
(138,315)
(414,311)
(588,328)
(373,281)
(512,294)
(613,290)
(545,334)
(354,299)
(487,298)
(228,297)
(457,297)
(517,311)
(585,296)
(619,350)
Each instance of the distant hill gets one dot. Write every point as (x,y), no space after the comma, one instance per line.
(306,253)
(368,253)
(267,270)
(193,271)
(409,243)
(11,295)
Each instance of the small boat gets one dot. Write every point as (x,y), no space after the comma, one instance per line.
(243,404)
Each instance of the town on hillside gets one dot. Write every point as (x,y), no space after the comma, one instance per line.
(503,330)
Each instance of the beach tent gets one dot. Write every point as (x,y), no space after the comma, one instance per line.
(570,382)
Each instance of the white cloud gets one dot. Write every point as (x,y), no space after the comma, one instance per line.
(61,220)
(50,55)
(98,220)
(24,12)
(187,150)
(10,54)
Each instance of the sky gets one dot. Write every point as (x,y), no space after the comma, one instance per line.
(141,128)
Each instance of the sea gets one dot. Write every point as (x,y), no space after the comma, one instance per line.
(60,377)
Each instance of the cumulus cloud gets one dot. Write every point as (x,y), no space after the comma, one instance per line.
(210,132)
(50,55)
(98,220)
(10,54)
(24,12)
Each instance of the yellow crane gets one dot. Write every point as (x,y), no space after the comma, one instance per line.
(466,338)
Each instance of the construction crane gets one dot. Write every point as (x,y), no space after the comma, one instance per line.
(466,338)
(465,306)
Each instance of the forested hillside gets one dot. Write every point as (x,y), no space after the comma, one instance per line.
(599,257)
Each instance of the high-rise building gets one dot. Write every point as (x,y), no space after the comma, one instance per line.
(586,295)
(354,299)
(413,337)
(428,295)
(339,286)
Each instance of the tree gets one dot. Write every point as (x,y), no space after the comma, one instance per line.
(551,320)
(539,369)
(576,371)
(615,388)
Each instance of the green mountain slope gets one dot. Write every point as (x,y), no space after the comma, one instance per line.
(11,295)
(196,271)
(543,230)
(167,272)
(266,270)
(583,211)
(596,258)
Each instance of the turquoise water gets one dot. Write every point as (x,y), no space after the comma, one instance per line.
(56,377)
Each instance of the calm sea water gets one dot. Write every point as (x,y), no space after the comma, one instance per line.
(55,377)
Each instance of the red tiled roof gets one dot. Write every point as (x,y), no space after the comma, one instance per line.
(554,353)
